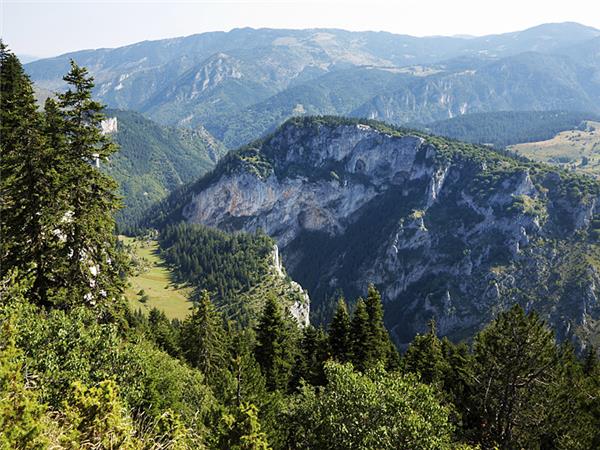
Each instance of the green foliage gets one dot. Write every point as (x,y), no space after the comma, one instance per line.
(57,206)
(163,333)
(514,359)
(223,264)
(203,339)
(313,353)
(365,411)
(96,417)
(339,333)
(504,128)
(21,413)
(370,344)
(425,357)
(275,346)
(242,430)
(153,160)
(92,273)
(32,187)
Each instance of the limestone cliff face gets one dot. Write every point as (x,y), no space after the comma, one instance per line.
(445,230)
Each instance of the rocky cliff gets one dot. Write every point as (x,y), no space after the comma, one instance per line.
(446,230)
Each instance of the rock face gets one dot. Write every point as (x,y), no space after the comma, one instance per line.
(446,230)
(109,125)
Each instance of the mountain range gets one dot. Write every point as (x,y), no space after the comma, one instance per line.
(244,83)
(445,230)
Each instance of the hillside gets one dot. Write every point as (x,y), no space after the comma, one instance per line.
(444,229)
(246,82)
(153,160)
(575,149)
(240,271)
(504,128)
(527,81)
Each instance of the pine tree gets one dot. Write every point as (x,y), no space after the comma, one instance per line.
(425,357)
(29,180)
(339,333)
(360,337)
(274,346)
(203,339)
(92,272)
(514,360)
(379,343)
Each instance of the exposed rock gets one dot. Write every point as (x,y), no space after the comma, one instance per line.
(109,125)
(445,230)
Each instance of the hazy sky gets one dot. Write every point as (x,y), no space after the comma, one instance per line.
(44,28)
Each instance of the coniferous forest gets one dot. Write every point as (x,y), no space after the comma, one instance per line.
(79,369)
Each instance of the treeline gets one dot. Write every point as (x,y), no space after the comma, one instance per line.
(78,369)
(221,263)
(504,128)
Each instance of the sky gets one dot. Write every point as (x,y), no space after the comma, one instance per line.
(46,28)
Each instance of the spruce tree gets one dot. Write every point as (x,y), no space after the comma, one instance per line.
(339,333)
(424,356)
(249,383)
(274,346)
(379,343)
(360,337)
(203,339)
(92,270)
(514,361)
(29,183)
(163,333)
(314,352)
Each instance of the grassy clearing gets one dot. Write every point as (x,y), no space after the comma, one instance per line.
(155,279)
(577,150)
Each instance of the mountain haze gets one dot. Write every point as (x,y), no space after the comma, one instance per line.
(245,82)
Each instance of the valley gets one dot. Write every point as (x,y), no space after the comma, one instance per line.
(577,150)
(151,284)
(272,238)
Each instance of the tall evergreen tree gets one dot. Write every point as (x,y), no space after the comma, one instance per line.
(514,360)
(371,344)
(360,337)
(275,350)
(425,357)
(314,352)
(339,333)
(93,270)
(249,383)
(163,332)
(380,346)
(29,180)
(203,339)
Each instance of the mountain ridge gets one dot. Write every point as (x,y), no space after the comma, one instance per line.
(445,229)
(199,79)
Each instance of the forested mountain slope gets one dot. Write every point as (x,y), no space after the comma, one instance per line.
(79,369)
(504,128)
(245,82)
(154,159)
(447,230)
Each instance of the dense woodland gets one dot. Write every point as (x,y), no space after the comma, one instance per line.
(153,160)
(216,261)
(78,369)
(504,128)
